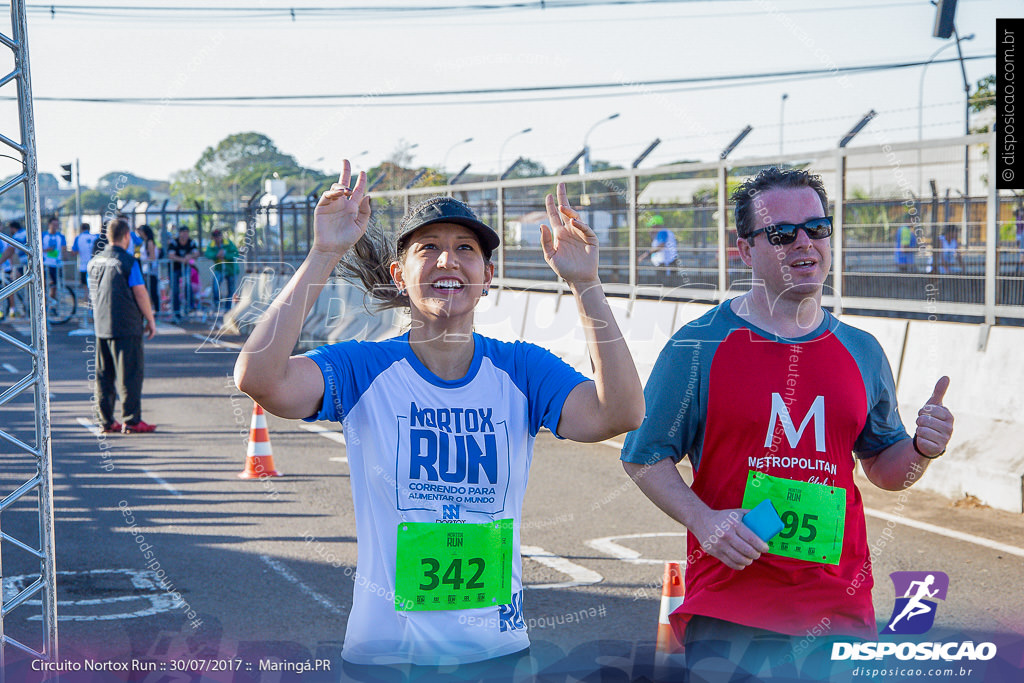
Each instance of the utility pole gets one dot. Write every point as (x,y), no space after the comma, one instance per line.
(78,198)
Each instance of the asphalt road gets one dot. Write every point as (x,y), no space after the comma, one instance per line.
(264,568)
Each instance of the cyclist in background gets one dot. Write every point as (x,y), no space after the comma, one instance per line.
(12,269)
(54,245)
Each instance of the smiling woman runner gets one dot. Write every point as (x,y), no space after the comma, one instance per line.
(439,422)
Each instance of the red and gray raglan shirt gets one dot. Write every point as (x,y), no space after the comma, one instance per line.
(750,409)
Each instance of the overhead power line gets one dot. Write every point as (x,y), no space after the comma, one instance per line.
(236,13)
(623,87)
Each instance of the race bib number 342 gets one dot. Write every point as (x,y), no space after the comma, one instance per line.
(453,566)
(814,516)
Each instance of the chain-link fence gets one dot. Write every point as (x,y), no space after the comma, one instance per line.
(919,230)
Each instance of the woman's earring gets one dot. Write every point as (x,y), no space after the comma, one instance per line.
(484,292)
(401,291)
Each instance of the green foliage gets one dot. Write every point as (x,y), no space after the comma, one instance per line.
(596,166)
(864,219)
(136,192)
(983,97)
(233,169)
(528,168)
(93,201)
(114,179)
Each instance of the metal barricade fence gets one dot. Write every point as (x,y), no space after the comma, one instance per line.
(919,230)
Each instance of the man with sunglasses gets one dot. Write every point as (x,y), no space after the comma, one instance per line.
(772,398)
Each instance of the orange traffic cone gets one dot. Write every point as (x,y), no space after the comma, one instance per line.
(671,599)
(259,460)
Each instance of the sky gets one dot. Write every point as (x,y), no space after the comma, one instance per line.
(372,54)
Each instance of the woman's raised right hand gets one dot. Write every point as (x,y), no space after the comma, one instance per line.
(341,215)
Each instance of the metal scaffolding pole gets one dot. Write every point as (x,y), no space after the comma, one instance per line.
(41,482)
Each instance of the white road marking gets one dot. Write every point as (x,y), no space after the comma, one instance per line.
(162,483)
(90,425)
(337,437)
(217,342)
(10,368)
(581,576)
(609,546)
(289,576)
(144,581)
(323,431)
(948,533)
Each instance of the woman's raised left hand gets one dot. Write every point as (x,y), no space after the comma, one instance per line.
(570,246)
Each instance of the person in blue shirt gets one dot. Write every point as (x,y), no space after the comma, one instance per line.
(54,245)
(664,249)
(906,248)
(11,261)
(448,415)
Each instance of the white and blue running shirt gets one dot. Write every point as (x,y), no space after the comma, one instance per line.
(423,449)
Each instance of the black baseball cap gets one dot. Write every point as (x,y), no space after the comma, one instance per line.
(447,210)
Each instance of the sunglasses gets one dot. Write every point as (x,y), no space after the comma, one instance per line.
(785,233)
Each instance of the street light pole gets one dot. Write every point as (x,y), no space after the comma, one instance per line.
(302,176)
(444,164)
(585,167)
(920,103)
(782,119)
(585,160)
(501,152)
(967,125)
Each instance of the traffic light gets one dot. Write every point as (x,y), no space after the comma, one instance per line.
(945,12)
(66,175)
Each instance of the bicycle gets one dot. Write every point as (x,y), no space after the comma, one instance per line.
(61,307)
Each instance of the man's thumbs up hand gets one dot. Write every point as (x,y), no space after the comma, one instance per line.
(934,423)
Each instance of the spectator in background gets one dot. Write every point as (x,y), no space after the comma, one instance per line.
(906,248)
(82,246)
(950,259)
(11,261)
(180,251)
(1018,215)
(121,315)
(664,250)
(54,245)
(149,265)
(224,255)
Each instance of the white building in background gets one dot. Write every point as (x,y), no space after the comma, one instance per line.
(524,231)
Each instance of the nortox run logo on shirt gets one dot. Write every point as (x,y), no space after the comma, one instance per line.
(451,456)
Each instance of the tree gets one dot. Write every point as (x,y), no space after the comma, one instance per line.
(402,154)
(528,168)
(115,179)
(983,97)
(597,165)
(93,201)
(400,172)
(134,192)
(233,169)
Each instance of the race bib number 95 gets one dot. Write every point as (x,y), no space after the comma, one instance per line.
(814,516)
(449,566)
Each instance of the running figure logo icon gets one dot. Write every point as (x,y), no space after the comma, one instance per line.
(914,612)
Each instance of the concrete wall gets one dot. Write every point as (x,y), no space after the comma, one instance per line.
(985,458)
